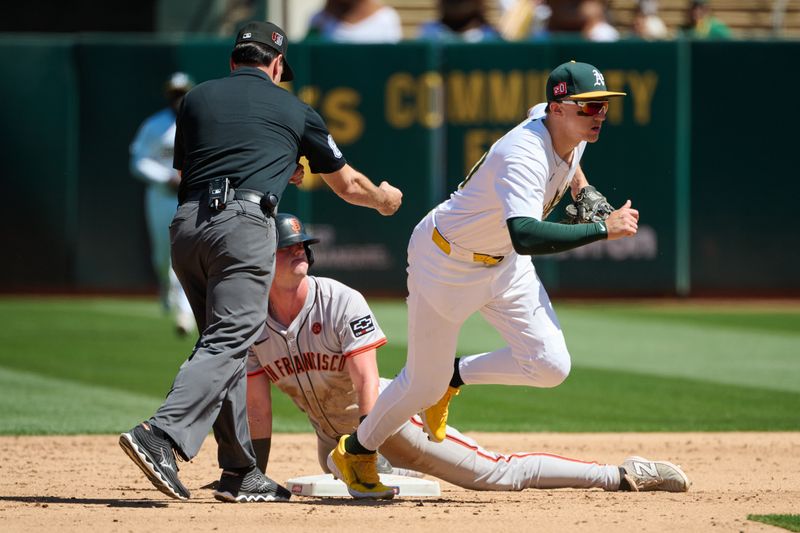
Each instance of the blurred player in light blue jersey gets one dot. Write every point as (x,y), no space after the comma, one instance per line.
(151,161)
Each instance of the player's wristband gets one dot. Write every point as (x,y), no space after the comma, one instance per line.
(535,237)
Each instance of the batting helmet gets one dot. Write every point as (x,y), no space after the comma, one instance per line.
(291,231)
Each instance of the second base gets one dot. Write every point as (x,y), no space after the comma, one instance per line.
(326,485)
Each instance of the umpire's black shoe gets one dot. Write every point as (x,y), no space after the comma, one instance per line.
(154,455)
(251,486)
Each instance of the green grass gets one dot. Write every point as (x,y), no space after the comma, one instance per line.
(122,344)
(615,400)
(749,346)
(786,521)
(100,365)
(32,404)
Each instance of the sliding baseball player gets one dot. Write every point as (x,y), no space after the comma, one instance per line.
(319,346)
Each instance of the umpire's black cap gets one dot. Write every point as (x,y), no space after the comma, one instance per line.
(271,35)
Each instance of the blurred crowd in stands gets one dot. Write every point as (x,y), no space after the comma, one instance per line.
(373,21)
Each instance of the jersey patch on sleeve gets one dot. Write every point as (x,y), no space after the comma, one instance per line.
(336,152)
(362,326)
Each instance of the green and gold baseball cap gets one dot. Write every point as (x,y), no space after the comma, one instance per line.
(577,81)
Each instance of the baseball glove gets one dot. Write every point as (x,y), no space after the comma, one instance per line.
(589,206)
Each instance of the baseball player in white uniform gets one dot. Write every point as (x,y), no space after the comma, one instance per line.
(472,253)
(319,347)
(151,161)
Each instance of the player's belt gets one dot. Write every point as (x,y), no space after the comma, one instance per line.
(445,246)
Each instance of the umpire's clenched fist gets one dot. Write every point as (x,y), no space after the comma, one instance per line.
(393,197)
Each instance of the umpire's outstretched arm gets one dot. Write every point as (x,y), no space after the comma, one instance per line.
(354,187)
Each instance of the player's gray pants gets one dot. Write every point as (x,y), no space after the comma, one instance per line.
(225,261)
(461,461)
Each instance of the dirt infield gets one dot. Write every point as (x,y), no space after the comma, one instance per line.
(87,483)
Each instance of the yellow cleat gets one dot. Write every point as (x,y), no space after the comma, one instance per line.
(359,472)
(434,418)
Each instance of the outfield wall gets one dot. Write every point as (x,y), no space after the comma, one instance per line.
(691,145)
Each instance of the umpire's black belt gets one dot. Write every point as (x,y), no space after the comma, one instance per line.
(247,195)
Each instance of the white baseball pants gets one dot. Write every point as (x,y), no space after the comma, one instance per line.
(443,293)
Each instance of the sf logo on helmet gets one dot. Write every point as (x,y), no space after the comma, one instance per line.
(295,225)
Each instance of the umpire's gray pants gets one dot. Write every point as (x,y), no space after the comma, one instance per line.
(225,262)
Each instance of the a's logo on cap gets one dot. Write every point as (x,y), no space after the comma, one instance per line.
(295,225)
(598,78)
(560,89)
(247,35)
(277,38)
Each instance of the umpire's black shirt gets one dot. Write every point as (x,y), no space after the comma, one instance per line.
(248,129)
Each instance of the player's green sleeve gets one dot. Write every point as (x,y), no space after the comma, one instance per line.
(535,237)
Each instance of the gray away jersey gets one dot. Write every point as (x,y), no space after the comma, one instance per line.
(308,362)
(308,359)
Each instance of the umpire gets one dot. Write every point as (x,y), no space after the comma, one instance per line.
(237,144)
